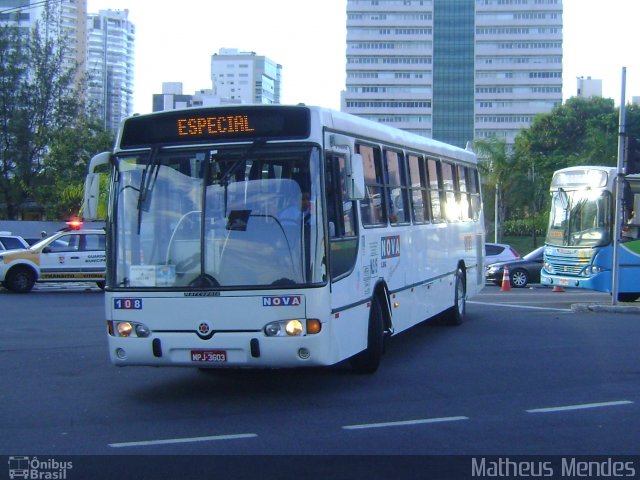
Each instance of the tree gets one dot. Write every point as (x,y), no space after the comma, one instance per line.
(61,181)
(38,97)
(497,168)
(579,132)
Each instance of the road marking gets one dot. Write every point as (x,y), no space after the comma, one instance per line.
(170,441)
(404,423)
(526,307)
(579,407)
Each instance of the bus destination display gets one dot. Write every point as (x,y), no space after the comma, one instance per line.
(213,125)
(216,124)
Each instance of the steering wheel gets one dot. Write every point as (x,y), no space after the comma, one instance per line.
(204,280)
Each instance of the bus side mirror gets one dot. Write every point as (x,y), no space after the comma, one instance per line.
(355,178)
(92,187)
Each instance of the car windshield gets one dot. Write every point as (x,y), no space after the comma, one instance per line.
(242,216)
(580,218)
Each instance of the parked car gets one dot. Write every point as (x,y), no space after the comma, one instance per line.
(499,252)
(522,271)
(11,242)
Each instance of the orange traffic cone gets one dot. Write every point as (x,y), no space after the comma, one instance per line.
(506,281)
(557,289)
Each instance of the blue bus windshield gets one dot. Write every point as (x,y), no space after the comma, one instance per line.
(580,218)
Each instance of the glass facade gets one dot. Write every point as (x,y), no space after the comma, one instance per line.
(453,71)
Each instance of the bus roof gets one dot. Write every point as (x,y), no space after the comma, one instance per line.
(596,176)
(347,122)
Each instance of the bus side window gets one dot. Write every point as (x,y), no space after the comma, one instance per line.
(396,187)
(631,230)
(418,184)
(474,189)
(341,218)
(452,213)
(435,190)
(372,209)
(463,187)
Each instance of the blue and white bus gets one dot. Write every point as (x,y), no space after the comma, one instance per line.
(282,236)
(579,244)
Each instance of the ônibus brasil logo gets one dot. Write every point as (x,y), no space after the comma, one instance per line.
(35,468)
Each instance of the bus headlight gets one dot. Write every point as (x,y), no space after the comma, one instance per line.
(273,329)
(284,328)
(128,329)
(548,267)
(294,328)
(124,329)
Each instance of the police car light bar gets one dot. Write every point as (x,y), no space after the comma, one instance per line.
(74,224)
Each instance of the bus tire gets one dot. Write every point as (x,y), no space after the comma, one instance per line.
(368,361)
(20,279)
(455,315)
(101,285)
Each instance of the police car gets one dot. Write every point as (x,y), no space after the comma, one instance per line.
(70,255)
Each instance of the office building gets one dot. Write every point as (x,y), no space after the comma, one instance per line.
(172,98)
(454,70)
(110,55)
(245,77)
(588,87)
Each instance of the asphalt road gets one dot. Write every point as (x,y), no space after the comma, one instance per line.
(524,375)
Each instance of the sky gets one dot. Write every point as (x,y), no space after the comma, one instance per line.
(175,41)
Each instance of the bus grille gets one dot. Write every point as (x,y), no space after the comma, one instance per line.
(568,266)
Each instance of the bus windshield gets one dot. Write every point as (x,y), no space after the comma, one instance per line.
(241,216)
(580,218)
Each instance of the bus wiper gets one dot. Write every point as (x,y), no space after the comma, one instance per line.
(148,181)
(240,161)
(224,180)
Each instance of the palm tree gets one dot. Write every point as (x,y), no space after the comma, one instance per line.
(495,167)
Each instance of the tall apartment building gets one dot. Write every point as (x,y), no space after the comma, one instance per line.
(73,23)
(69,16)
(110,61)
(245,77)
(454,70)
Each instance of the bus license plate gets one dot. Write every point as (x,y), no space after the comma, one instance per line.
(209,356)
(564,281)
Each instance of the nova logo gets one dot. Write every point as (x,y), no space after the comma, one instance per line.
(390,246)
(285,301)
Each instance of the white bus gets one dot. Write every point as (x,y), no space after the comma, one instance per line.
(282,236)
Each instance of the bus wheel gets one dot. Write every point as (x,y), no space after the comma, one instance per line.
(20,279)
(368,360)
(100,285)
(455,315)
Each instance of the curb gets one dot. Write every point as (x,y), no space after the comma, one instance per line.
(587,308)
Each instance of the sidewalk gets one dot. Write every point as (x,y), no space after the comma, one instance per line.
(603,308)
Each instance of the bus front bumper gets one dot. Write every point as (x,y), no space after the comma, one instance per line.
(223,350)
(597,282)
